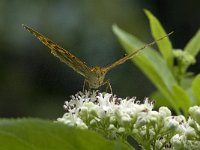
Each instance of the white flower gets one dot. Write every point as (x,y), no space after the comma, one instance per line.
(116,118)
(195,113)
(154,116)
(164,112)
(190,132)
(72,120)
(170,123)
(112,127)
(149,104)
(104,101)
(121,130)
(93,107)
(177,142)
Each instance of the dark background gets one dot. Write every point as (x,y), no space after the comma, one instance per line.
(33,83)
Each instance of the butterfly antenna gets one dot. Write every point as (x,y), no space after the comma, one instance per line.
(150,44)
(127,57)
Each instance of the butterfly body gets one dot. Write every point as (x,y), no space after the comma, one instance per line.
(94,76)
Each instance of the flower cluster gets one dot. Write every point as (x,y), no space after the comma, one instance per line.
(117,118)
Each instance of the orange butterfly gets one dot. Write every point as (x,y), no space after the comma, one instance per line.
(94,76)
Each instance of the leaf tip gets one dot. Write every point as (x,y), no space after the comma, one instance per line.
(146,10)
(115,27)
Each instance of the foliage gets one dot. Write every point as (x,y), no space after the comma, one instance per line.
(36,134)
(177,88)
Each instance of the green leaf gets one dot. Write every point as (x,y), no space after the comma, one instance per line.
(196,89)
(158,31)
(193,45)
(160,99)
(192,49)
(35,134)
(186,82)
(181,98)
(150,62)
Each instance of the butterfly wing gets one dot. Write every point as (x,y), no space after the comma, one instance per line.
(127,57)
(65,56)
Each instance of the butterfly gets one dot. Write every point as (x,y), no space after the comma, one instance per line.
(94,76)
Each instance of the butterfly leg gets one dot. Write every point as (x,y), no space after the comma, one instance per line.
(108,85)
(84,85)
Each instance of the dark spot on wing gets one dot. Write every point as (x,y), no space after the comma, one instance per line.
(55,47)
(50,42)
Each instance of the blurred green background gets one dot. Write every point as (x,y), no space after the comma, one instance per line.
(33,83)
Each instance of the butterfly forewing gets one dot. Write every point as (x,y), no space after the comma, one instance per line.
(65,56)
